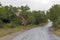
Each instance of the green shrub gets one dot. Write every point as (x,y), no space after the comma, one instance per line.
(56,24)
(10,25)
(1,24)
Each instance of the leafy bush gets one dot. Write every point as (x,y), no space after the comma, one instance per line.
(1,24)
(57,24)
(54,15)
(10,25)
(10,16)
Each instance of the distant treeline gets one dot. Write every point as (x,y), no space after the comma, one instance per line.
(16,16)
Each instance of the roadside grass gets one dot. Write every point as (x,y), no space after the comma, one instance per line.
(8,31)
(57,32)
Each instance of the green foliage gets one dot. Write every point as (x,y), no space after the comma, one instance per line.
(30,19)
(10,25)
(8,15)
(54,12)
(1,24)
(10,19)
(39,17)
(54,15)
(56,24)
(33,17)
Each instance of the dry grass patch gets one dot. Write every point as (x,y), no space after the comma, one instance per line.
(57,32)
(6,31)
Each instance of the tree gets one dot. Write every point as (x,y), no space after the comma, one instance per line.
(24,13)
(54,15)
(54,12)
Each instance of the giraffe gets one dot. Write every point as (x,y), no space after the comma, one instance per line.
(23,21)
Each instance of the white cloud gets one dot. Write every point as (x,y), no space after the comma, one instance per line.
(33,4)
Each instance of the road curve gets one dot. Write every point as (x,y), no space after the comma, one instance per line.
(39,33)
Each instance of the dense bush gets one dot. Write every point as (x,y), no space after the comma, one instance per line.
(54,15)
(57,24)
(12,16)
(1,24)
(10,25)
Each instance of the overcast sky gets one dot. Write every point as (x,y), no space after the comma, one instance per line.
(33,4)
